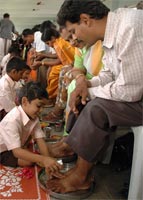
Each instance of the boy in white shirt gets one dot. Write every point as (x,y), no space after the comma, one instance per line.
(21,123)
(14,71)
(13,51)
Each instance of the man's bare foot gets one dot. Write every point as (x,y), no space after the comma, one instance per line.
(60,149)
(73,181)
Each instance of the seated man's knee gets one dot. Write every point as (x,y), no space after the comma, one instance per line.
(97,115)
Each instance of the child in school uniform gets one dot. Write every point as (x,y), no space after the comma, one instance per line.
(14,71)
(21,123)
(12,51)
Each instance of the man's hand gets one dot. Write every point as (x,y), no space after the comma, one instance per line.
(80,93)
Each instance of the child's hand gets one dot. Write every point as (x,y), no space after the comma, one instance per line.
(39,57)
(35,65)
(52,167)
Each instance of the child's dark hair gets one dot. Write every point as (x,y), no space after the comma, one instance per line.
(27,32)
(47,24)
(49,33)
(36,28)
(16,63)
(32,90)
(14,49)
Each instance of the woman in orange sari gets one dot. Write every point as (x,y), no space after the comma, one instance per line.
(65,56)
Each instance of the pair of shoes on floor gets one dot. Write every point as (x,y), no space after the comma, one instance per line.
(52,118)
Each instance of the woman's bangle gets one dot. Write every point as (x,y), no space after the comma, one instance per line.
(78,76)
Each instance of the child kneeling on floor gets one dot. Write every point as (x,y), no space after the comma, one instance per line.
(21,123)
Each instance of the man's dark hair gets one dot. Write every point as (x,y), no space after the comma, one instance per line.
(49,33)
(47,24)
(6,15)
(72,9)
(16,63)
(32,90)
(140,5)
(27,32)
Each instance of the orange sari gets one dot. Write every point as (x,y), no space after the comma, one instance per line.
(65,53)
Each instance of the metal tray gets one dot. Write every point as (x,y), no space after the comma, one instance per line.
(69,159)
(81,194)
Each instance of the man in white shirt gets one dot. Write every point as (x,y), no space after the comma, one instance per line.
(116,93)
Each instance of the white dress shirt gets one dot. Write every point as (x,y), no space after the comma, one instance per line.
(121,78)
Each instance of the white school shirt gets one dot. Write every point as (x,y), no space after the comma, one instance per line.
(16,127)
(121,78)
(7,93)
(4,62)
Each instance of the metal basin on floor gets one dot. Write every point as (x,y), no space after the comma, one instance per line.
(81,194)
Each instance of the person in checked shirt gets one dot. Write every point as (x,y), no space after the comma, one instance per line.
(115,94)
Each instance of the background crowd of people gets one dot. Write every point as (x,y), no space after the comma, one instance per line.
(88,68)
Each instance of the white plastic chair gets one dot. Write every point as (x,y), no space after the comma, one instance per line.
(136,180)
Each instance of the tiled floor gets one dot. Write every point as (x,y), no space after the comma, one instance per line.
(109,182)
